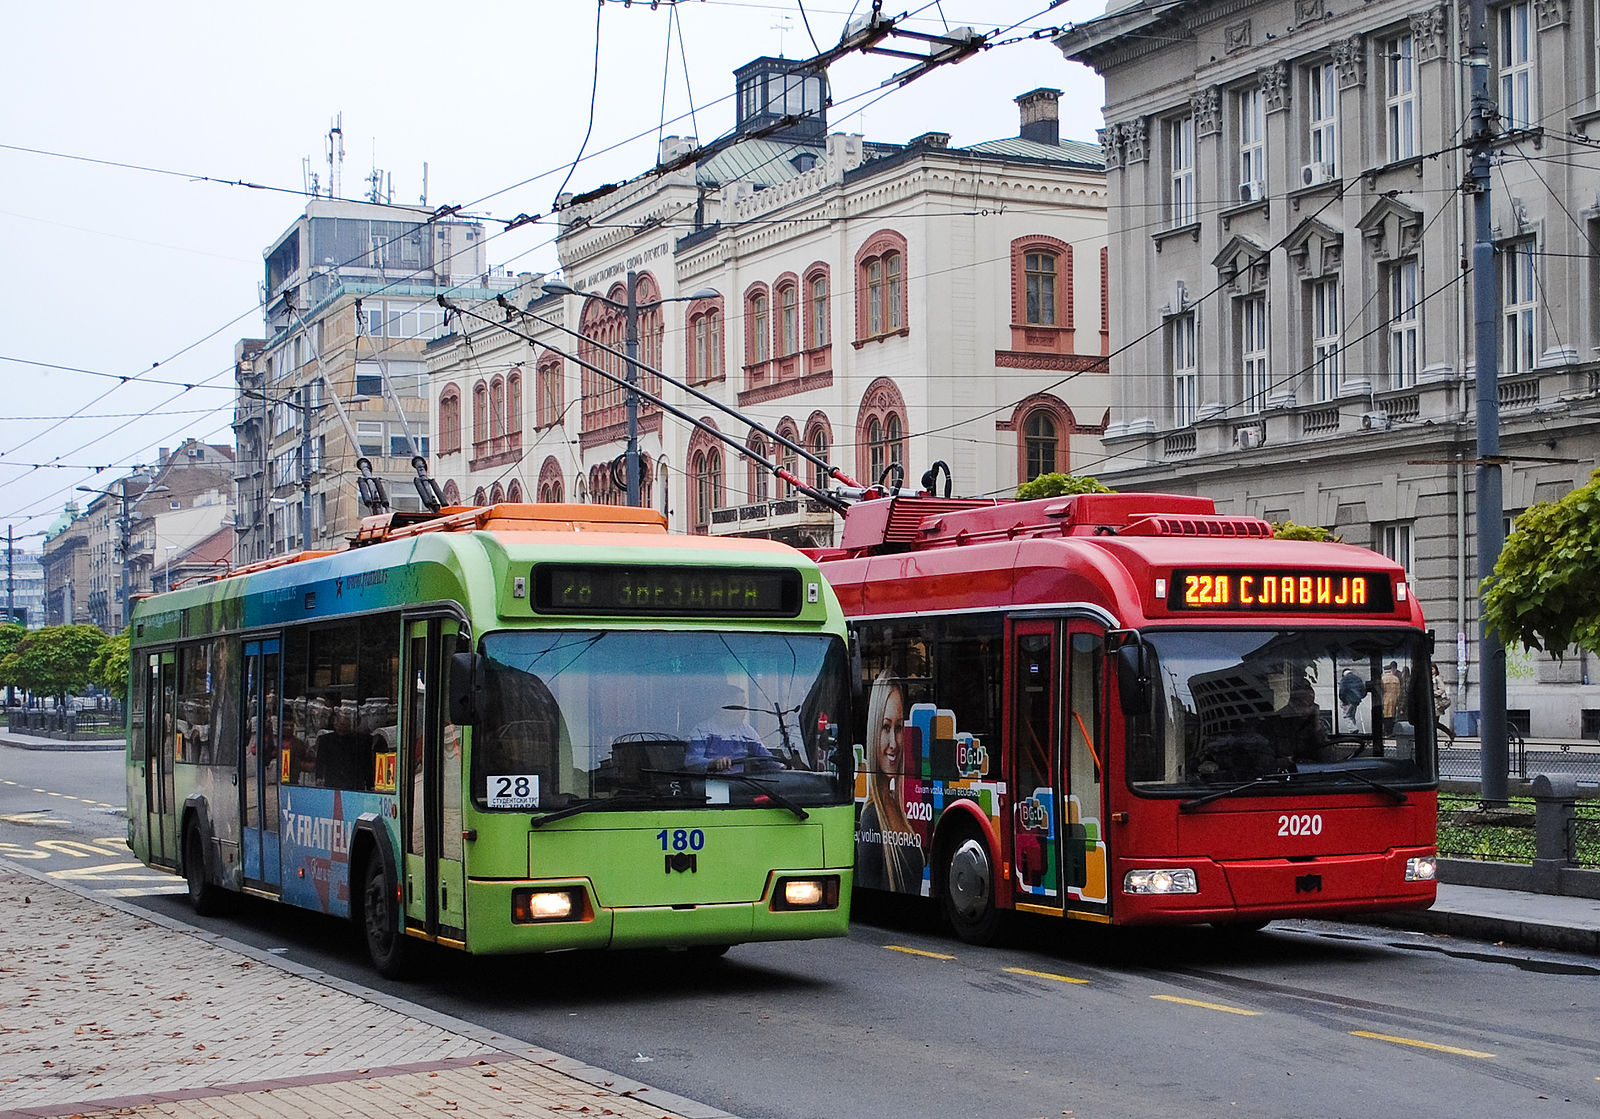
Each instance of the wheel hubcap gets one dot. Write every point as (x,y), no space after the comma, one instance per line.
(968,882)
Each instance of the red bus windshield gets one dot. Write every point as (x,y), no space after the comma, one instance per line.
(1230,706)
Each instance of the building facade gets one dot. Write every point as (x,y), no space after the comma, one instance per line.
(884,306)
(1293,318)
(349,300)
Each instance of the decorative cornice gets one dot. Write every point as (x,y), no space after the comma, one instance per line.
(1274,81)
(1430,30)
(1067,363)
(1136,148)
(791,387)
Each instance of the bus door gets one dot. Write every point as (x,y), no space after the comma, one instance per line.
(262,712)
(1058,842)
(160,742)
(430,788)
(1036,754)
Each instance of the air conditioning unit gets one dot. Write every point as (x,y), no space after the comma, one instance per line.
(1377,421)
(1251,437)
(1315,174)
(1253,191)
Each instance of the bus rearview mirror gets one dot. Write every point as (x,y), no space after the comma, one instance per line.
(466,688)
(1132,678)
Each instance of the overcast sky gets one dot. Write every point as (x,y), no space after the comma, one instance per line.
(151,273)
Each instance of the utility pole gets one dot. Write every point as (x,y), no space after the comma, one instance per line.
(1494,754)
(305,469)
(631,348)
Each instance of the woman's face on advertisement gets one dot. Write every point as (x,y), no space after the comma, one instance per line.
(889,736)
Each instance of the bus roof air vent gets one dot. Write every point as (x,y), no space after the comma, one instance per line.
(1162,524)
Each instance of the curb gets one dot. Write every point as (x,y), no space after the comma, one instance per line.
(1528,934)
(609,1082)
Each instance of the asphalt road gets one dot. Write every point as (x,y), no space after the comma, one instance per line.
(900,1019)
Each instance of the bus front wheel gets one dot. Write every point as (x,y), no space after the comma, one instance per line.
(967,881)
(205,896)
(387,944)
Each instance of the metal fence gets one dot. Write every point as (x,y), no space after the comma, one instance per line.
(64,723)
(1569,832)
(1460,759)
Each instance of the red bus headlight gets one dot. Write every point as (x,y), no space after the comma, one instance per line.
(1421,869)
(1168,880)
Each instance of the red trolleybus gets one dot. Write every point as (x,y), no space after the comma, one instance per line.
(1127,709)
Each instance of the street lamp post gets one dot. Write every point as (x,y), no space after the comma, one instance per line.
(630,347)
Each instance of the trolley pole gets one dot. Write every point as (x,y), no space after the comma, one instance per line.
(1495,756)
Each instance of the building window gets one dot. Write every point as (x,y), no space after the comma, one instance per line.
(758,471)
(1324,296)
(817,441)
(1519,301)
(787,298)
(1394,541)
(1253,351)
(818,333)
(788,457)
(758,328)
(1039,269)
(1404,324)
(1400,66)
(514,404)
(881,286)
(1252,145)
(1517,101)
(497,408)
(547,381)
(1040,443)
(1185,370)
(707,469)
(450,420)
(705,341)
(1180,203)
(1323,118)
(480,414)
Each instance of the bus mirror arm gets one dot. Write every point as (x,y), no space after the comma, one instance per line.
(1133,678)
(466,688)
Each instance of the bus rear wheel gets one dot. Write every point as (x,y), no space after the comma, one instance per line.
(388,946)
(205,896)
(967,881)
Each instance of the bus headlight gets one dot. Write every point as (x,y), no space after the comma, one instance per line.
(530,906)
(1421,869)
(1174,880)
(806,893)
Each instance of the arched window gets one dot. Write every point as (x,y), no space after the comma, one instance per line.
(450,420)
(818,440)
(707,469)
(480,497)
(788,458)
(758,473)
(514,405)
(547,385)
(550,487)
(819,331)
(880,430)
(881,286)
(452,493)
(1039,444)
(602,325)
(514,491)
(704,358)
(480,416)
(787,300)
(497,408)
(757,326)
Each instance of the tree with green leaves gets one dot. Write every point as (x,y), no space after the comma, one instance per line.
(55,660)
(1288,530)
(1059,485)
(1545,590)
(110,665)
(10,635)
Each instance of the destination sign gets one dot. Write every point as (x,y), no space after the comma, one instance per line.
(667,591)
(1281,590)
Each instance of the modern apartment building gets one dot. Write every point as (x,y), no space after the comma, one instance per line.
(1293,310)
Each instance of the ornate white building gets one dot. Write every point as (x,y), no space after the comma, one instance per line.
(874,303)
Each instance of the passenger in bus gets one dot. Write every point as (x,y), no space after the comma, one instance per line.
(1299,733)
(888,850)
(1352,690)
(1393,688)
(726,738)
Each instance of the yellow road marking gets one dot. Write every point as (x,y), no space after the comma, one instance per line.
(1044,975)
(1207,1005)
(918,952)
(1425,1045)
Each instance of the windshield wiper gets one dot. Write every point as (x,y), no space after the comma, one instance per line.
(1266,779)
(595,805)
(1355,775)
(749,779)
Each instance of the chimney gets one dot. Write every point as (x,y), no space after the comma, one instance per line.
(1041,116)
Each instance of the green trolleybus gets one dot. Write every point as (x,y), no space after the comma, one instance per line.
(519,728)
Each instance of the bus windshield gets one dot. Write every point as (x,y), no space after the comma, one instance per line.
(1327,707)
(579,719)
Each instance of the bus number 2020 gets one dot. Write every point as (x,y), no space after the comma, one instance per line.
(1300,825)
(681,839)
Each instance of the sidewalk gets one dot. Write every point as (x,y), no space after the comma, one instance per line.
(1563,924)
(35,742)
(108,1010)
